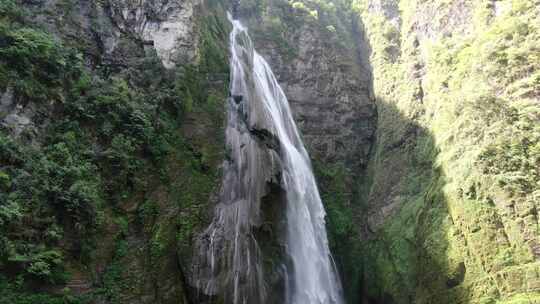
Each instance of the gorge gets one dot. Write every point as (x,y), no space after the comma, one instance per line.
(148,153)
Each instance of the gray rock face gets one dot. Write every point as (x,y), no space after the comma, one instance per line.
(6,100)
(14,117)
(328,88)
(119,29)
(167,25)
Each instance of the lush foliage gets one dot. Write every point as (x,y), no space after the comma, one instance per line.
(102,139)
(469,89)
(334,195)
(32,61)
(342,230)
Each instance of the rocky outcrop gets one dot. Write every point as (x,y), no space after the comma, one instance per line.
(168,26)
(14,117)
(115,31)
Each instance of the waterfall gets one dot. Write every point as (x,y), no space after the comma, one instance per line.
(267,167)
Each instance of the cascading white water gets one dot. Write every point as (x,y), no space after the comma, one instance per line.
(259,106)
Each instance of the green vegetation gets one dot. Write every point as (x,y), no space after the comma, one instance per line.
(41,183)
(109,155)
(342,236)
(33,63)
(332,182)
(11,294)
(467,226)
(113,177)
(113,282)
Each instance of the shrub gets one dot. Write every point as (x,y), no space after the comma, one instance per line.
(35,63)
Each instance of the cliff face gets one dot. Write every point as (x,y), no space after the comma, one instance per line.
(325,77)
(446,206)
(112,132)
(451,215)
(421,118)
(319,57)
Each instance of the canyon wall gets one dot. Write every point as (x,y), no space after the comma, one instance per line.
(451,214)
(421,117)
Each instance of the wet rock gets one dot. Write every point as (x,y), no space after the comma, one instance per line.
(237,98)
(266,138)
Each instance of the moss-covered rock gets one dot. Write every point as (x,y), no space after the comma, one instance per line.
(451,210)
